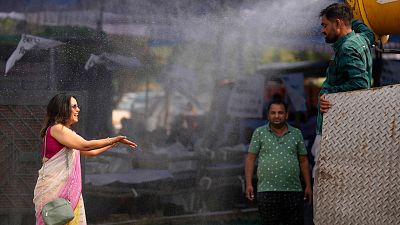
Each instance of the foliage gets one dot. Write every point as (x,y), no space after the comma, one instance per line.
(274,55)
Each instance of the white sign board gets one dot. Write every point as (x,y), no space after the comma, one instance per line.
(247,97)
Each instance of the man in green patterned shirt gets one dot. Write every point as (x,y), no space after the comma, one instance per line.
(281,155)
(350,67)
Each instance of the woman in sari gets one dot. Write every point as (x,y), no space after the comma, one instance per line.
(60,175)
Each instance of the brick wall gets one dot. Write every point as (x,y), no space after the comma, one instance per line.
(20,153)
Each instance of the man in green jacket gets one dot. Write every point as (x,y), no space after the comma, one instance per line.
(350,67)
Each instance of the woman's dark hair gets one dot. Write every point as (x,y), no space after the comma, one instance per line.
(58,111)
(338,11)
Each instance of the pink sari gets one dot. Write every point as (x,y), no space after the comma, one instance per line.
(62,181)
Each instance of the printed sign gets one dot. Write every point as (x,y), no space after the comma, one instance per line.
(246,100)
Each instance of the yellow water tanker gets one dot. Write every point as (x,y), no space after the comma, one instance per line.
(382,16)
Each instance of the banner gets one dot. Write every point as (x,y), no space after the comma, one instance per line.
(247,97)
(27,43)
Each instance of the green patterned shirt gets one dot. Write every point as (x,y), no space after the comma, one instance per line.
(278,164)
(350,67)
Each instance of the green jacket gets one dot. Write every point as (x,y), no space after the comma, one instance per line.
(350,67)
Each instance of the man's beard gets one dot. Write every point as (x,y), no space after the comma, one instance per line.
(330,40)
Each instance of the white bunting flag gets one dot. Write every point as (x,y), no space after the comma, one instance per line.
(112,61)
(27,43)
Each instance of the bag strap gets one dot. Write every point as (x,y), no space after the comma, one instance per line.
(44,153)
(44,162)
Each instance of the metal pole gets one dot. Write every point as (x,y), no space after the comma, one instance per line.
(52,81)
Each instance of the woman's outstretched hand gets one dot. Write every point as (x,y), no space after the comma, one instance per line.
(128,142)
